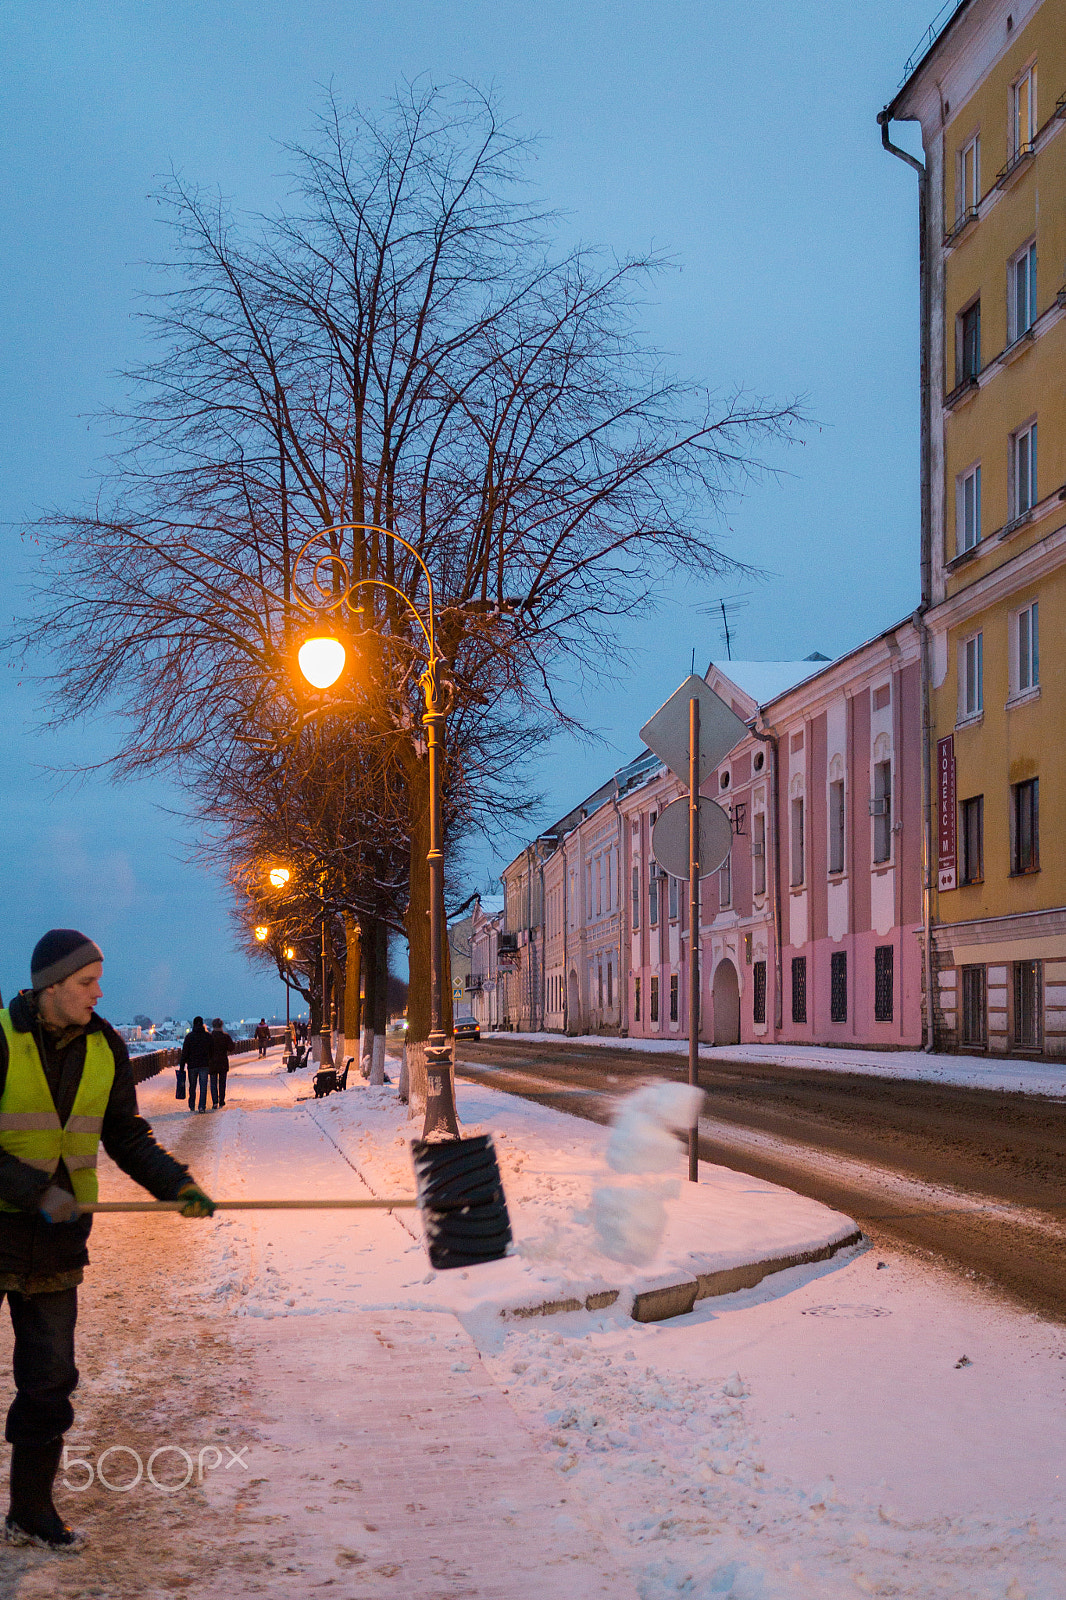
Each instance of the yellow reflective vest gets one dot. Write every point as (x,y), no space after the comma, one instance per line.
(29,1122)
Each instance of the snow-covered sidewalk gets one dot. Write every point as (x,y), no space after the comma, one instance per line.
(864,1425)
(970,1072)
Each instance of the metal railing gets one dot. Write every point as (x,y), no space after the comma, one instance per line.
(146,1066)
(931,35)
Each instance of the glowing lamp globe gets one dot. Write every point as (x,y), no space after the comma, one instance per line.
(261,934)
(279,876)
(321,661)
(289,953)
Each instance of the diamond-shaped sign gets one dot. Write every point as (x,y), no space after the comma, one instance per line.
(666,733)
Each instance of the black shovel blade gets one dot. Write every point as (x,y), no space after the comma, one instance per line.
(461,1195)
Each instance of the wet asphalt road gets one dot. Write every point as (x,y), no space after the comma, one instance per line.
(971,1177)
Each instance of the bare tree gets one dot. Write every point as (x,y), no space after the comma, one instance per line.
(402,348)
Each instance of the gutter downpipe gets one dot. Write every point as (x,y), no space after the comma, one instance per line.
(770,738)
(623,983)
(925,314)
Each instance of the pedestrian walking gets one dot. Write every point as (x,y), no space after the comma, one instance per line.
(262,1037)
(196,1056)
(66,1087)
(221,1045)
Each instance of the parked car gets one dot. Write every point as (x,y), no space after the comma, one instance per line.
(464,1026)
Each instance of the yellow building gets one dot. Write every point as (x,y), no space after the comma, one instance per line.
(990,94)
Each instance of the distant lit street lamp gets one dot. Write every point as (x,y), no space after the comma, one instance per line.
(322,660)
(262,934)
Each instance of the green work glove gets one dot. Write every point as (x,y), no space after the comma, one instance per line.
(197,1203)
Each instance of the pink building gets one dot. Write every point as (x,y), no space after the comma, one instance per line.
(810,931)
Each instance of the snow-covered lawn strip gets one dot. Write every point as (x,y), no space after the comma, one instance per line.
(550,1162)
(973,1072)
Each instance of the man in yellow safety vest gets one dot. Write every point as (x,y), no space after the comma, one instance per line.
(66,1087)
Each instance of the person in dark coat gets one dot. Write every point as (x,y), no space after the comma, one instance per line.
(262,1037)
(196,1056)
(220,1044)
(66,1087)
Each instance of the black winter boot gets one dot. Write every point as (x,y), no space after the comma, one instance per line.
(32,1518)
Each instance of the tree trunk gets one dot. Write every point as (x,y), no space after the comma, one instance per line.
(352,1000)
(381,1001)
(418,904)
(370,995)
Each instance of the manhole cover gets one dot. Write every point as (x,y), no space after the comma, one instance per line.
(846,1311)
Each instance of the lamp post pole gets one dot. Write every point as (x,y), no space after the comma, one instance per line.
(441,1119)
(327,1044)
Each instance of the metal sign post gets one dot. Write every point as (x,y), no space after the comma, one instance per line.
(694,926)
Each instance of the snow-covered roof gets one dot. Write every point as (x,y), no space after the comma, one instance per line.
(763,681)
(491,904)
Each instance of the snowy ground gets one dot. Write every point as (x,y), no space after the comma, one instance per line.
(976,1072)
(869,1425)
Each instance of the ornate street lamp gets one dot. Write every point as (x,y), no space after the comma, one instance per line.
(322,659)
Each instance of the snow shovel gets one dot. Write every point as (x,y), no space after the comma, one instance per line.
(460,1194)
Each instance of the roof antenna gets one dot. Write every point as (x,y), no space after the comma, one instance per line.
(692,669)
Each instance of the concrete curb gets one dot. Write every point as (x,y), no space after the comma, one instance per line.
(677,1299)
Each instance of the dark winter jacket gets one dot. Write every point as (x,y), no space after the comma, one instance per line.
(220,1045)
(196,1049)
(29,1244)
(262,1033)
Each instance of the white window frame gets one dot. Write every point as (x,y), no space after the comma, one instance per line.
(1023,93)
(881,811)
(1023,470)
(837,826)
(968,198)
(797,823)
(971,677)
(725,883)
(968,509)
(1021,291)
(758,855)
(1025,650)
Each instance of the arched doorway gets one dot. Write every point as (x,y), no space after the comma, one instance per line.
(725,997)
(573,1004)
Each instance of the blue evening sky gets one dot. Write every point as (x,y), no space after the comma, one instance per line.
(738,136)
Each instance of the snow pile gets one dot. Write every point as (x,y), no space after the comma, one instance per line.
(631,1221)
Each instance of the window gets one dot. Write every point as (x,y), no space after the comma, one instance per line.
(884,963)
(636,999)
(1021,292)
(673,899)
(973,1016)
(797,842)
(968,184)
(1026,652)
(799,988)
(673,997)
(968,509)
(971,677)
(599,981)
(758,992)
(655,999)
(1028,984)
(838,986)
(653,900)
(968,343)
(1023,112)
(836,826)
(725,882)
(881,810)
(1025,826)
(610,985)
(758,852)
(1023,471)
(636,897)
(972,829)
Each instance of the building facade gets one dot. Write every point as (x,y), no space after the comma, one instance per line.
(990,96)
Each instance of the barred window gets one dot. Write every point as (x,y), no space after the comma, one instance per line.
(758,1003)
(655,999)
(1028,984)
(973,1020)
(799,988)
(673,997)
(884,975)
(838,986)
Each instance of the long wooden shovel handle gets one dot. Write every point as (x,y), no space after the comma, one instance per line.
(256,1205)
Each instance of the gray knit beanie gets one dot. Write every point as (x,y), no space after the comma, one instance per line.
(61,952)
